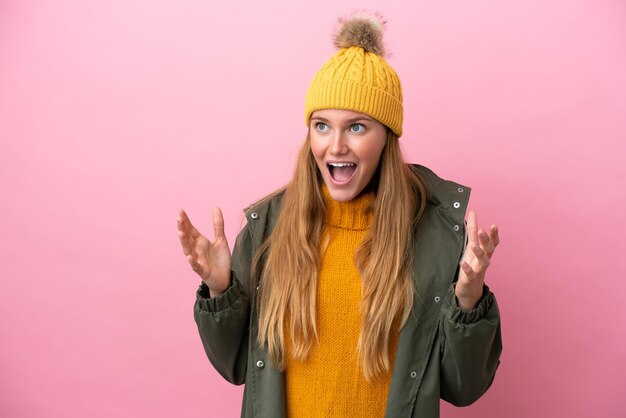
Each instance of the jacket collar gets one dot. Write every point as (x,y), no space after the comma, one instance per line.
(449,197)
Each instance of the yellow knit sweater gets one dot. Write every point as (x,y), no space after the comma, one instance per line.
(330,382)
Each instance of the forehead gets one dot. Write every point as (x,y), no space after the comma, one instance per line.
(339,115)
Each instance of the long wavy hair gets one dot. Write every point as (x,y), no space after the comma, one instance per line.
(293,252)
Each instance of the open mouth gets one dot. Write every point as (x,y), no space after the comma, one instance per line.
(341,172)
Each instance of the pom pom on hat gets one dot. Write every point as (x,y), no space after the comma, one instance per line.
(361,29)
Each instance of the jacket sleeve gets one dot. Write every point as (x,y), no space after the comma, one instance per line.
(223,321)
(472,344)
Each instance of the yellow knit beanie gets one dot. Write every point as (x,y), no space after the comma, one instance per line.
(357,77)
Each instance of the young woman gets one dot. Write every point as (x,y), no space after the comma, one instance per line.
(358,289)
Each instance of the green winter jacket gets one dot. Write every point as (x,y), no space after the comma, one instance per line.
(443,351)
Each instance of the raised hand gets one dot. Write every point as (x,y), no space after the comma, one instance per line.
(211,260)
(474,263)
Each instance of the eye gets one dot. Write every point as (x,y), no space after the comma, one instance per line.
(321,126)
(358,125)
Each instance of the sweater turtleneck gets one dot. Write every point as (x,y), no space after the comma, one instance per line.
(330,381)
(355,214)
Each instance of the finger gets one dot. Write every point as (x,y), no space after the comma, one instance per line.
(472,226)
(494,234)
(486,243)
(218,223)
(469,272)
(182,220)
(184,242)
(187,225)
(184,235)
(187,242)
(481,262)
(468,255)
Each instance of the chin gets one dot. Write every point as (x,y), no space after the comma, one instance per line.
(341,195)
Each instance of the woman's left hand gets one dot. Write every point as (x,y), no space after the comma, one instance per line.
(474,263)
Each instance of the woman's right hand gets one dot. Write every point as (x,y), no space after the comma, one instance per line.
(211,260)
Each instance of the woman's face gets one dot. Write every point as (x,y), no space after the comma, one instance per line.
(347,146)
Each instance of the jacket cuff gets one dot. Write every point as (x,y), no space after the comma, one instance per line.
(222,302)
(460,316)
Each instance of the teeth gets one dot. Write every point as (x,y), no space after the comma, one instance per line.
(341,164)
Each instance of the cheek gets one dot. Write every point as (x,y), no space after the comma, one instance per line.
(372,154)
(317,148)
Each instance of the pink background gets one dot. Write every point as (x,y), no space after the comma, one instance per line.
(114,114)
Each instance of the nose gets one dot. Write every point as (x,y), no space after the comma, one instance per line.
(338,144)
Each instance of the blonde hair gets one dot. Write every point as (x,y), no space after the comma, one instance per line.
(288,284)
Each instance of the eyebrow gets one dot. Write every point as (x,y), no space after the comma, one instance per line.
(347,121)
